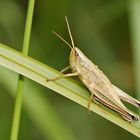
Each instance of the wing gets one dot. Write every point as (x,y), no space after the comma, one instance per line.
(106,94)
(125,114)
(124,96)
(103,85)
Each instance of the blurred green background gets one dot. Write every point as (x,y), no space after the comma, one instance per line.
(102,29)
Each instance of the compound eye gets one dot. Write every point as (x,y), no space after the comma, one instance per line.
(76,53)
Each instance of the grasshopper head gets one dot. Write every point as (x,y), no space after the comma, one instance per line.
(75,54)
(76,58)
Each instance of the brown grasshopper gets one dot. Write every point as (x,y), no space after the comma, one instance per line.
(98,84)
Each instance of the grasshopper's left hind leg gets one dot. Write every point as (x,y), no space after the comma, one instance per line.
(92,98)
(89,103)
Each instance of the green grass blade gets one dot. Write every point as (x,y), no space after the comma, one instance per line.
(134,7)
(69,88)
(19,91)
(38,107)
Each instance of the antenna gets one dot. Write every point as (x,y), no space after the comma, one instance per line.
(68,26)
(62,39)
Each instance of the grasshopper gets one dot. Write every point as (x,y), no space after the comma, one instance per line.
(101,89)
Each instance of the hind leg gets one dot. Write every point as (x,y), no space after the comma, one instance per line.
(89,103)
